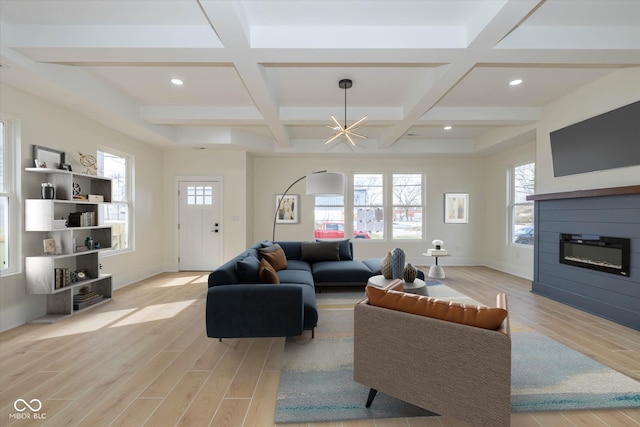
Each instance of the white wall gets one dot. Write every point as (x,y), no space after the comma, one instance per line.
(43,123)
(443,175)
(498,252)
(615,90)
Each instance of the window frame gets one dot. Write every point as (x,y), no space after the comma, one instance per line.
(382,205)
(422,206)
(513,205)
(129,196)
(12,185)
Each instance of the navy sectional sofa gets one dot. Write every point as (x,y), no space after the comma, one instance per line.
(240,305)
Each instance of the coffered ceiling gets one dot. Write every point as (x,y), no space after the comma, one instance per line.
(263,75)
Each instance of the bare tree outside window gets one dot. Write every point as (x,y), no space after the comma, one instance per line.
(523,185)
(407,206)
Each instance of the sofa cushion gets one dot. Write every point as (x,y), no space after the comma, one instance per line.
(275,256)
(292,249)
(472,315)
(267,273)
(296,264)
(320,251)
(295,276)
(341,272)
(248,268)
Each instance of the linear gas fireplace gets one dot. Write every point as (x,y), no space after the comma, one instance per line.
(608,254)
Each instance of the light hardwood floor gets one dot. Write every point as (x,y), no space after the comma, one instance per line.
(144,359)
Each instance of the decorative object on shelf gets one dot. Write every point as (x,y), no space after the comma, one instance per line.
(410,273)
(97,198)
(81,275)
(47,190)
(90,163)
(49,246)
(319,183)
(385,266)
(397,263)
(346,131)
(456,208)
(65,167)
(76,189)
(48,157)
(288,211)
(88,242)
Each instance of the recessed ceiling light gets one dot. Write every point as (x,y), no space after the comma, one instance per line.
(177,82)
(448,127)
(515,82)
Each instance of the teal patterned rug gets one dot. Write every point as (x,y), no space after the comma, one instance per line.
(316,380)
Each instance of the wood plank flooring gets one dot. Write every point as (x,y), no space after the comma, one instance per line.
(144,359)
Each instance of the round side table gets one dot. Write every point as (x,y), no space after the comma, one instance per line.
(418,286)
(436,271)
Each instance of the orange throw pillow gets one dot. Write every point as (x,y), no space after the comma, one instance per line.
(472,315)
(267,273)
(274,254)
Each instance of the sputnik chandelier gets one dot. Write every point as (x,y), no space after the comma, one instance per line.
(346,131)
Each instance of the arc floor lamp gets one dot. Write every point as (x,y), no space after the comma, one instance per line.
(319,183)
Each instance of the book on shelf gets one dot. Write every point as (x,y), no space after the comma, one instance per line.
(62,277)
(87,303)
(82,219)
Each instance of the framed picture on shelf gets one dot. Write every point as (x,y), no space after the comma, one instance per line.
(48,156)
(49,246)
(456,208)
(288,210)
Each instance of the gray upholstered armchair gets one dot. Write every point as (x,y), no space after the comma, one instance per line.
(448,368)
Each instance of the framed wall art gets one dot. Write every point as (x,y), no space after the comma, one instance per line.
(288,210)
(48,157)
(456,208)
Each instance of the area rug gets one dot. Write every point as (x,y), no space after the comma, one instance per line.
(316,380)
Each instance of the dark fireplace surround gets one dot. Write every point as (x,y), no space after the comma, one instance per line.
(602,253)
(587,251)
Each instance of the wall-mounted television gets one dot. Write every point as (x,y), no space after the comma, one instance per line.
(610,140)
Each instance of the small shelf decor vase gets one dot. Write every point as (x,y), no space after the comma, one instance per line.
(410,273)
(385,266)
(397,263)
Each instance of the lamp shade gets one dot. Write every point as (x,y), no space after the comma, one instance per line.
(325,184)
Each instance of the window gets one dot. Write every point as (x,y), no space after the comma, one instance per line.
(117,214)
(329,217)
(8,199)
(407,206)
(368,206)
(521,209)
(199,195)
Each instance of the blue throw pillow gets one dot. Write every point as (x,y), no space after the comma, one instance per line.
(248,268)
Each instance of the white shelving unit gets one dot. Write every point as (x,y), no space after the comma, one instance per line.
(49,217)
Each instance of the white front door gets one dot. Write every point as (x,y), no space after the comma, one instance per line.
(199,225)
